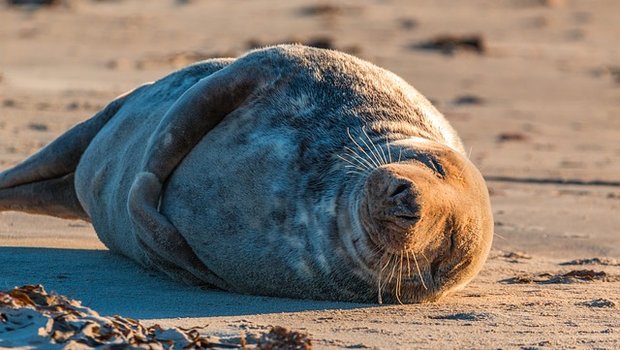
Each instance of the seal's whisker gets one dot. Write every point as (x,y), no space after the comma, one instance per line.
(388,262)
(376,157)
(374,145)
(392,274)
(419,272)
(381,261)
(362,149)
(385,158)
(366,167)
(356,173)
(387,266)
(499,236)
(400,153)
(353,168)
(357,169)
(379,297)
(374,252)
(408,264)
(399,280)
(367,146)
(373,163)
(387,142)
(355,159)
(386,281)
(465,164)
(397,275)
(353,164)
(425,258)
(380,280)
(461,172)
(359,158)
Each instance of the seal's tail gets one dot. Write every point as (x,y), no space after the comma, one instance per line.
(43,183)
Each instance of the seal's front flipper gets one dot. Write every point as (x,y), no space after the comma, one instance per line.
(160,241)
(43,183)
(196,112)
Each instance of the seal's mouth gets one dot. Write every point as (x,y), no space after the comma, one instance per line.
(403,278)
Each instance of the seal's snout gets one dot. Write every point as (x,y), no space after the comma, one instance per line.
(393,207)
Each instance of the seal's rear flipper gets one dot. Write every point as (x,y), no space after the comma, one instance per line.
(196,112)
(55,197)
(43,183)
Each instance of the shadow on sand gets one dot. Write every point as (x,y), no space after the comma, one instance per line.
(113,285)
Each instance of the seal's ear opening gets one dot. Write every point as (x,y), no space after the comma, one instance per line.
(193,115)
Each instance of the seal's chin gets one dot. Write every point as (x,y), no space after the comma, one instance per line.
(429,217)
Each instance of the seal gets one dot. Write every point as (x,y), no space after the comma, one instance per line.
(289,171)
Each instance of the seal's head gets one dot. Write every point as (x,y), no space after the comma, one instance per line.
(427,220)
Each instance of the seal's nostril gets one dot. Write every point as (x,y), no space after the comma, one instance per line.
(404,209)
(400,189)
(408,217)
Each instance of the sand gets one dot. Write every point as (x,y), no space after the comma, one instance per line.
(536,101)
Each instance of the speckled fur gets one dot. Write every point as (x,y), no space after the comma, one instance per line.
(264,199)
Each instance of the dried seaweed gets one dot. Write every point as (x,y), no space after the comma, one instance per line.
(512,256)
(281,338)
(33,2)
(320,10)
(574,276)
(599,303)
(30,317)
(451,44)
(593,261)
(512,136)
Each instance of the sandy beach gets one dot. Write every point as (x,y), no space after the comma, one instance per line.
(531,86)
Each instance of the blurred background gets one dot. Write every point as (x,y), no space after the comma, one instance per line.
(532,86)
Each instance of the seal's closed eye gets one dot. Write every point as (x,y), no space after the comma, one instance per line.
(433,164)
(436,166)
